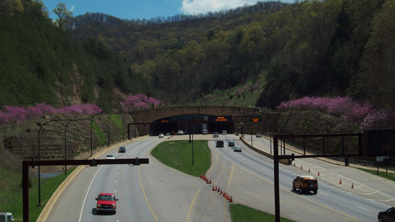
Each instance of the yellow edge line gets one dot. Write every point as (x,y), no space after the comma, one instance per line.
(231,173)
(141,183)
(302,196)
(190,209)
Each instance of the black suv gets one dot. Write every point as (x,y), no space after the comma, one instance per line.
(121,149)
(388,215)
(220,143)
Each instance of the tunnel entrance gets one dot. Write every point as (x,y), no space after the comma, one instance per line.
(197,123)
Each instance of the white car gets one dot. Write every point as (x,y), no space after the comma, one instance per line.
(237,148)
(180,132)
(161,135)
(224,132)
(205,132)
(110,156)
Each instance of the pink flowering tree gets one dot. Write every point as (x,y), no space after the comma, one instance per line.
(343,107)
(141,101)
(15,114)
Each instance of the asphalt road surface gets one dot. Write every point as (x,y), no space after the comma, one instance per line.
(155,192)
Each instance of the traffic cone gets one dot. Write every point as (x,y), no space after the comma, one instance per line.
(301,167)
(218,189)
(318,173)
(221,192)
(213,188)
(230,199)
(309,170)
(340,181)
(352,185)
(210,181)
(294,164)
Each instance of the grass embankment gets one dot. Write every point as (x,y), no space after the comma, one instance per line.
(390,176)
(12,198)
(178,155)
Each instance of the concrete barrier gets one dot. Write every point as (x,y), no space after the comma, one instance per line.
(283,161)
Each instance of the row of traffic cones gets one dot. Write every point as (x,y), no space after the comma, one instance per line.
(223,193)
(352,184)
(301,167)
(205,178)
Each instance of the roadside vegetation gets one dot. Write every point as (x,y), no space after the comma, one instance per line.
(242,213)
(11,194)
(390,175)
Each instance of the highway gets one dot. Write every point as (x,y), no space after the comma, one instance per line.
(155,192)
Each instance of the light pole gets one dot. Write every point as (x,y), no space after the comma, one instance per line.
(92,129)
(108,127)
(39,157)
(65,143)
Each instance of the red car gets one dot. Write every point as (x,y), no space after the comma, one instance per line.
(106,202)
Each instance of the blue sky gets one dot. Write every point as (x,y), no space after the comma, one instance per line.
(133,9)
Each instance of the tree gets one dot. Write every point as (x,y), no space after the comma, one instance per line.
(64,15)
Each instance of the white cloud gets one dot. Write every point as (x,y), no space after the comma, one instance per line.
(203,6)
(72,8)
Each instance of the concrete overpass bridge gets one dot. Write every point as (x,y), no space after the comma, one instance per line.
(169,119)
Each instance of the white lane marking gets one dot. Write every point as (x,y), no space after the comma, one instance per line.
(119,167)
(116,181)
(262,169)
(83,204)
(117,173)
(115,191)
(368,193)
(362,208)
(321,193)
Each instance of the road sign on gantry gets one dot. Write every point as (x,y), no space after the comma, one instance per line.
(380,142)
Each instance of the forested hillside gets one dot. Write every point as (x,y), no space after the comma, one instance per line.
(312,47)
(41,63)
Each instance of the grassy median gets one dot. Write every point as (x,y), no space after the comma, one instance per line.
(242,213)
(178,155)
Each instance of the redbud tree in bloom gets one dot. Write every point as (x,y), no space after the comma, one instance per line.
(15,114)
(344,107)
(141,101)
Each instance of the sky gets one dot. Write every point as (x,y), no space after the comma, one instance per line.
(139,9)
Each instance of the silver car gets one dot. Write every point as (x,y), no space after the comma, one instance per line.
(237,148)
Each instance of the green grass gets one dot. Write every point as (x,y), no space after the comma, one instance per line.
(390,176)
(178,155)
(12,201)
(242,213)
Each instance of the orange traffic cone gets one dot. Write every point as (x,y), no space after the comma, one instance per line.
(230,199)
(318,173)
(213,188)
(352,185)
(340,181)
(301,167)
(294,164)
(210,180)
(309,170)
(218,189)
(221,192)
